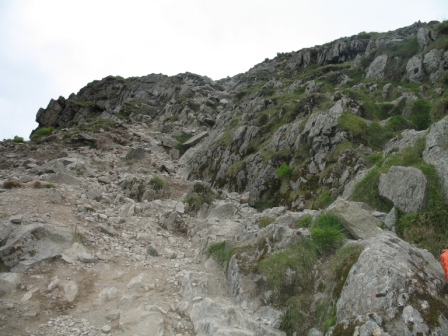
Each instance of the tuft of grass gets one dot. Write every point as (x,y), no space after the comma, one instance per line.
(158,183)
(305,221)
(420,114)
(10,184)
(17,139)
(327,232)
(265,221)
(221,252)
(78,236)
(323,200)
(283,170)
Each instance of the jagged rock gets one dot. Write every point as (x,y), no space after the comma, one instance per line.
(387,278)
(377,68)
(404,140)
(358,222)
(425,37)
(9,282)
(405,187)
(414,69)
(38,242)
(436,151)
(94,194)
(435,62)
(391,219)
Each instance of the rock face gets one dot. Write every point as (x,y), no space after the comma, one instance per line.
(405,187)
(436,151)
(388,285)
(359,222)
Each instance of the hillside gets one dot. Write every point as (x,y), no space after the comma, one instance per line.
(307,195)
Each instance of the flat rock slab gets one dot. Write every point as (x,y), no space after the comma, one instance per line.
(405,187)
(195,139)
(359,222)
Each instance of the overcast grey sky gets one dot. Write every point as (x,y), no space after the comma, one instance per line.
(50,48)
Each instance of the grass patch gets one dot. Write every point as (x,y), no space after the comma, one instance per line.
(327,232)
(420,114)
(264,221)
(283,170)
(221,252)
(323,200)
(199,195)
(158,183)
(305,221)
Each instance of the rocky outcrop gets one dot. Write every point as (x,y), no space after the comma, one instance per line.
(436,151)
(405,187)
(377,67)
(358,222)
(388,289)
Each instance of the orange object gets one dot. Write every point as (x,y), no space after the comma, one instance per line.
(444,262)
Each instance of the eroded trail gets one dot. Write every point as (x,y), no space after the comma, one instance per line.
(132,259)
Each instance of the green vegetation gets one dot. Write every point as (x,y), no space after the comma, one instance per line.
(323,200)
(199,195)
(10,184)
(221,252)
(305,221)
(264,221)
(283,170)
(41,132)
(327,232)
(17,139)
(420,114)
(78,236)
(158,183)
(84,103)
(182,139)
(38,185)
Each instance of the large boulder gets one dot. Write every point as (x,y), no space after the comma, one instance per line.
(377,68)
(436,150)
(396,287)
(358,222)
(30,244)
(414,69)
(405,187)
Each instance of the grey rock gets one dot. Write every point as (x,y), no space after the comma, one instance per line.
(78,252)
(359,222)
(387,277)
(141,281)
(404,140)
(144,320)
(195,139)
(425,37)
(108,294)
(436,151)
(152,251)
(377,68)
(39,242)
(9,282)
(405,187)
(414,70)
(16,219)
(94,194)
(63,178)
(391,219)
(70,290)
(109,230)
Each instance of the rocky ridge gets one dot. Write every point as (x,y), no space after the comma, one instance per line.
(101,232)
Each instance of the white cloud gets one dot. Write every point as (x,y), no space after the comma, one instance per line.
(59,46)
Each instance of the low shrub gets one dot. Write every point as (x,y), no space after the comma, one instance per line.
(17,139)
(305,221)
(10,184)
(420,114)
(283,170)
(323,200)
(38,185)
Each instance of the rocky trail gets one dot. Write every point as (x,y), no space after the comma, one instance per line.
(125,269)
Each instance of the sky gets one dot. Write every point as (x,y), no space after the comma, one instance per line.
(52,48)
